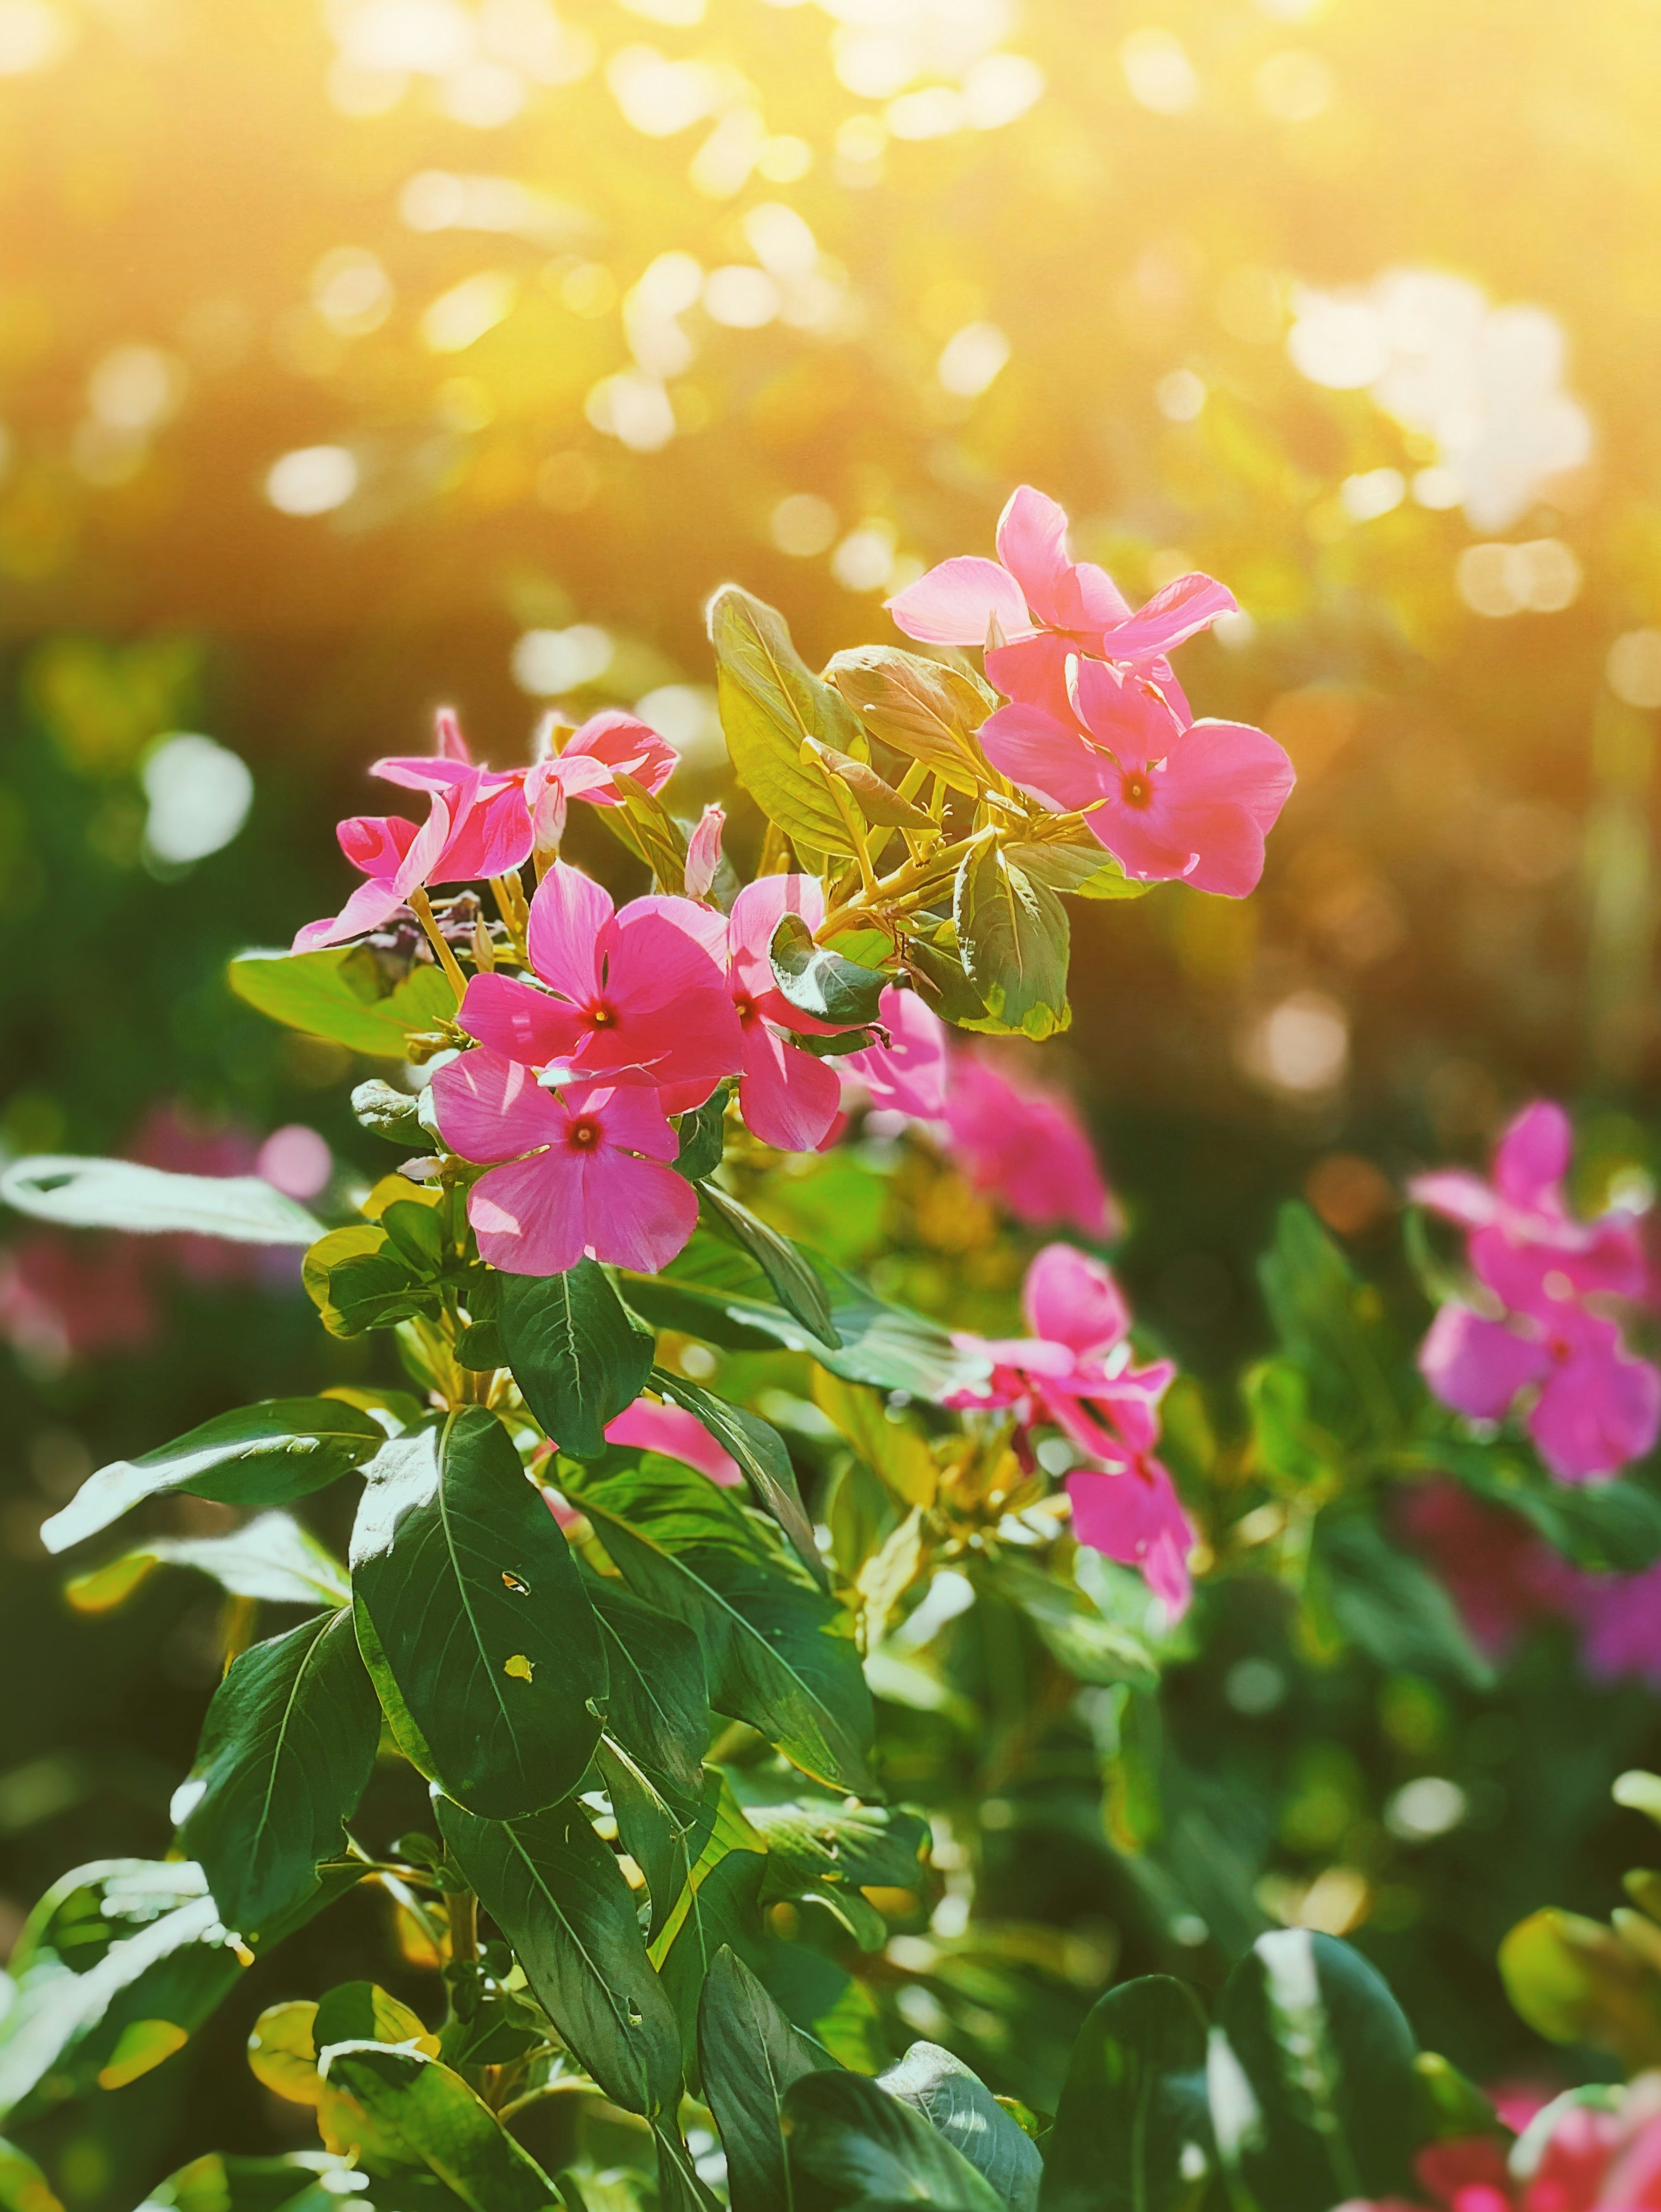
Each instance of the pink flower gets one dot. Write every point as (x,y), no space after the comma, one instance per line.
(676,1434)
(1074,1372)
(1619,1617)
(1574,2157)
(1502,1577)
(1026,1147)
(1524,1208)
(1171,799)
(1597,1407)
(632,997)
(786,1095)
(1045,607)
(583,1169)
(65,1296)
(704,851)
(614,742)
(908,1075)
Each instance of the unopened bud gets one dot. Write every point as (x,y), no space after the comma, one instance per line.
(704,852)
(545,794)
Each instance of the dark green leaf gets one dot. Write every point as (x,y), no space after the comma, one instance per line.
(679,2188)
(658,1705)
(760,1452)
(821,982)
(1390,1605)
(1131,2133)
(779,1655)
(795,1283)
(937,970)
(858,2142)
(1612,1528)
(1314,2098)
(828,1840)
(473,1619)
(958,2106)
(555,1892)
(263,1455)
(769,702)
(924,708)
(719,1907)
(1078,1635)
(1329,1323)
(358,1279)
(90,1194)
(703,1135)
(1014,939)
(574,1352)
(432,2115)
(661,1844)
(287,1751)
(346,993)
(749,2054)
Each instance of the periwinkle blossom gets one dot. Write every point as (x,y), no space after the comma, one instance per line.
(1074,1373)
(1025,1146)
(631,997)
(650,1425)
(1171,798)
(577,1172)
(787,1097)
(1038,606)
(907,1074)
(1572,2156)
(1590,1406)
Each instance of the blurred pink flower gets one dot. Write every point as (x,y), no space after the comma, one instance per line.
(1037,606)
(1171,799)
(583,1169)
(1575,2156)
(1619,1617)
(1075,1372)
(908,1075)
(1025,1146)
(787,1097)
(632,997)
(676,1434)
(63,1297)
(1523,1209)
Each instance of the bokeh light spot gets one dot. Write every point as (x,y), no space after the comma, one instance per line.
(972,359)
(804,524)
(199,795)
(1634,668)
(1158,72)
(548,662)
(312,480)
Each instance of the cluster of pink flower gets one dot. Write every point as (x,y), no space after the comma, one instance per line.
(1572,2156)
(1096,721)
(1074,1373)
(1589,1406)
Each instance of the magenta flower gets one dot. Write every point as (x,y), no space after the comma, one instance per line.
(1074,1373)
(1620,1620)
(786,1097)
(1170,799)
(1025,1148)
(397,856)
(1523,1209)
(908,1074)
(1032,607)
(582,1170)
(671,1431)
(1595,1408)
(614,742)
(632,997)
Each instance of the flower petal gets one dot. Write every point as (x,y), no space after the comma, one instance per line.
(370,904)
(1033,671)
(1046,758)
(786,1097)
(1176,611)
(954,603)
(528,1216)
(519,1021)
(636,1213)
(491,1108)
(1136,1517)
(628,1116)
(1478,1366)
(620,741)
(1070,1297)
(1032,544)
(1533,1157)
(1598,1410)
(376,843)
(567,914)
(491,835)
(676,1434)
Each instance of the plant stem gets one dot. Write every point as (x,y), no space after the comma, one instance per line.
(421,907)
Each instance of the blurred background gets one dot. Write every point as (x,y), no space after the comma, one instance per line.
(363,356)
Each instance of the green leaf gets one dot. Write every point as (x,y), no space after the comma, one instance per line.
(1015,941)
(263,1455)
(718,1906)
(658,1705)
(646,828)
(891,1449)
(855,2140)
(385,1111)
(575,1354)
(1330,1324)
(555,1892)
(23,2187)
(348,993)
(92,1194)
(1131,2133)
(287,1750)
(924,708)
(1081,869)
(118,1964)
(1313,2096)
(357,1279)
(822,982)
(879,802)
(1573,1980)
(271,1559)
(649,1829)
(778,1654)
(1075,1631)
(760,1452)
(958,2106)
(679,2189)
(769,702)
(823,1841)
(1390,1605)
(304,2181)
(1610,1527)
(433,2115)
(703,1135)
(748,2055)
(479,1626)
(795,1283)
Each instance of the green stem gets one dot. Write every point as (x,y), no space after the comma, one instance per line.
(421,907)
